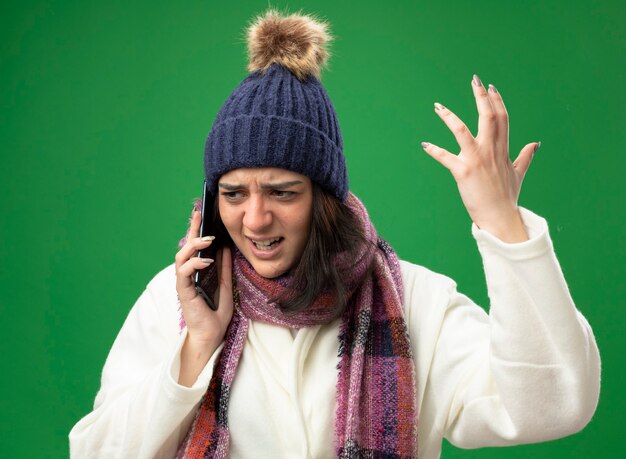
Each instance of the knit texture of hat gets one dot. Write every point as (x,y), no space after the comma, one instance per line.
(280,115)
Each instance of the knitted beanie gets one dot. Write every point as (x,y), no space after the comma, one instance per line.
(280,114)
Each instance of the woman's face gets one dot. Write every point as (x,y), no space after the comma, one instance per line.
(267,212)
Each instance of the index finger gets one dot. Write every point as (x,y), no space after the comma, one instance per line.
(194,226)
(187,250)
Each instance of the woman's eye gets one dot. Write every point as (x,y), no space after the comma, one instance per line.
(282,194)
(231,195)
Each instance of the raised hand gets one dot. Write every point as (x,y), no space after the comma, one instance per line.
(489,183)
(205,328)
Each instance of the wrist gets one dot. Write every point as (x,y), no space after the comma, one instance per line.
(508,229)
(199,346)
(194,356)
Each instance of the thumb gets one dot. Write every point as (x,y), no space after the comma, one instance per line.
(225,310)
(522,162)
(226,269)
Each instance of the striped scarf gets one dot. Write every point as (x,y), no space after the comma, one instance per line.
(376,414)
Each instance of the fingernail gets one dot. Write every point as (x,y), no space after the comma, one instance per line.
(208,261)
(438,106)
(493,88)
(208,238)
(425,144)
(476,81)
(537,145)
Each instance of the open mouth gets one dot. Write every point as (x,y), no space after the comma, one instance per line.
(267,244)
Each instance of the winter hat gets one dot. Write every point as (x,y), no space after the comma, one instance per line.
(280,114)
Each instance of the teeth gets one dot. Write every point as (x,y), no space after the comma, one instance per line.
(265,245)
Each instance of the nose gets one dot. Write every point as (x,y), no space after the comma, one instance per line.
(258,215)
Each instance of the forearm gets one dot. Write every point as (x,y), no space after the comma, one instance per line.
(544,358)
(527,372)
(141,409)
(146,415)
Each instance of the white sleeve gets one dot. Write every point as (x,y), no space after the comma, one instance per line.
(529,371)
(140,410)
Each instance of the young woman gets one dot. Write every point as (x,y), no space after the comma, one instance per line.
(324,344)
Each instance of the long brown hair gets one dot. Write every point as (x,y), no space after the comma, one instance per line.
(334,229)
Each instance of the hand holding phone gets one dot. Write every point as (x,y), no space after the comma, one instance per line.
(206,328)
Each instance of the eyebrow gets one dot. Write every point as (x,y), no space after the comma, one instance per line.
(265,186)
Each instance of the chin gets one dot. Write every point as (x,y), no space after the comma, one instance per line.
(269,272)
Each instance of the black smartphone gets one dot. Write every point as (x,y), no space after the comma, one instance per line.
(206,229)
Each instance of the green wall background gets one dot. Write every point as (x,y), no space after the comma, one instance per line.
(106,105)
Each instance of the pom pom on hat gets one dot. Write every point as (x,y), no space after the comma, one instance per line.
(297,42)
(280,115)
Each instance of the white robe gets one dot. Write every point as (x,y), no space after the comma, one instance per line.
(526,372)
